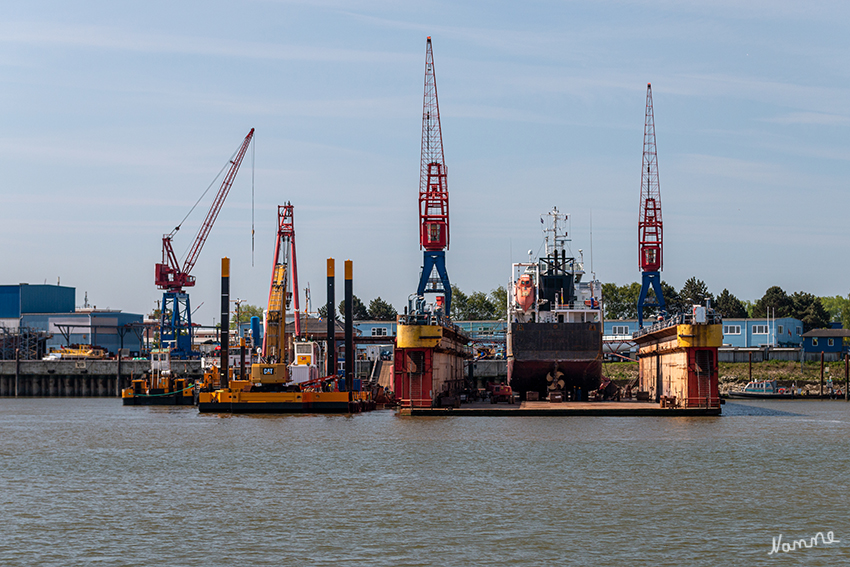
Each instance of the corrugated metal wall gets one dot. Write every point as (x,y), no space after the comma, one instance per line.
(10,301)
(47,299)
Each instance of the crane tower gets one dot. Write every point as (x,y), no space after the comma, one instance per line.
(650,228)
(433,193)
(176,317)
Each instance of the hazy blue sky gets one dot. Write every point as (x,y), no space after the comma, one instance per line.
(117,115)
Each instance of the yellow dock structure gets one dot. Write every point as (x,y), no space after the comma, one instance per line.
(678,359)
(428,361)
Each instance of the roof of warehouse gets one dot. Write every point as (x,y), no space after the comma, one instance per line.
(828,333)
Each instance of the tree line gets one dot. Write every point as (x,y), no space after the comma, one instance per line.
(620,302)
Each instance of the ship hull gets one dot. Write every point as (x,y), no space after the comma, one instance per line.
(571,352)
(174,400)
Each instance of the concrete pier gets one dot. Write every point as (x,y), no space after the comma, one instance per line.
(79,378)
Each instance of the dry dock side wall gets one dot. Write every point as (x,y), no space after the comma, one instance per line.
(79,378)
(681,362)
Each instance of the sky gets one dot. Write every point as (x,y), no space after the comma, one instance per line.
(116,116)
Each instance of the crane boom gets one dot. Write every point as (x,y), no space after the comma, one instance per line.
(433,194)
(169,275)
(280,296)
(433,180)
(650,227)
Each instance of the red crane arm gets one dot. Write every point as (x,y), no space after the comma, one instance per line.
(650,227)
(433,181)
(212,214)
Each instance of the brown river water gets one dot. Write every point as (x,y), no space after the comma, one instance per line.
(89,482)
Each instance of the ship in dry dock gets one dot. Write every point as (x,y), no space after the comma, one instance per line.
(554,341)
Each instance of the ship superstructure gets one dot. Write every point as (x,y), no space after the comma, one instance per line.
(554,341)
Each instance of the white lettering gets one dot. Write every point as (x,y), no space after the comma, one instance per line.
(785,547)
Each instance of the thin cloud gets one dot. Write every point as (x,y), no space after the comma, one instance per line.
(805,118)
(124,40)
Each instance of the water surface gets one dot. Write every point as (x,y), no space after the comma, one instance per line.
(89,482)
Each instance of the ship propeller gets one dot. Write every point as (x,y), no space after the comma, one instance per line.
(556,376)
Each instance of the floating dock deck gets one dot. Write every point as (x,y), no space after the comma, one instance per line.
(625,408)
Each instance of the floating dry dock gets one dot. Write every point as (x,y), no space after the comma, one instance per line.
(542,409)
(678,359)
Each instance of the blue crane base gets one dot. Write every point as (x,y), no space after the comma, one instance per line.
(175,329)
(435,259)
(652,279)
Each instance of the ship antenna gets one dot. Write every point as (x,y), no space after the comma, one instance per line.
(592,273)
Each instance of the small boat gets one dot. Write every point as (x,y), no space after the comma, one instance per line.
(160,387)
(766,389)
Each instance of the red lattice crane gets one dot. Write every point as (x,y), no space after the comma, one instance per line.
(176,331)
(433,192)
(170,275)
(650,227)
(433,181)
(283,288)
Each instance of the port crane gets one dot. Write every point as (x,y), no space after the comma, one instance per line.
(283,291)
(650,227)
(433,195)
(176,316)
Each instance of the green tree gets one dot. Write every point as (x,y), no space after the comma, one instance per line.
(776,300)
(459,308)
(835,306)
(808,309)
(358,310)
(499,297)
(695,292)
(380,310)
(323,312)
(479,307)
(620,302)
(674,302)
(246,311)
(729,306)
(845,317)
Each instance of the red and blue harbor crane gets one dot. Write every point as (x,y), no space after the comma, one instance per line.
(176,316)
(433,194)
(650,227)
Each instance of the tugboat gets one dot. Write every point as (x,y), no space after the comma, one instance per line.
(554,341)
(160,387)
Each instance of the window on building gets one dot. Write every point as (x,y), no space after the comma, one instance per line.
(799,330)
(759,329)
(379,331)
(779,329)
(620,330)
(814,341)
(731,329)
(830,342)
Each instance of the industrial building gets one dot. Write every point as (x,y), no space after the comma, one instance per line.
(50,310)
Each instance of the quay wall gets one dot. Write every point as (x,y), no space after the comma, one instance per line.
(79,378)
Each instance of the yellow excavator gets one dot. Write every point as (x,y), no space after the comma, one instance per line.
(269,388)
